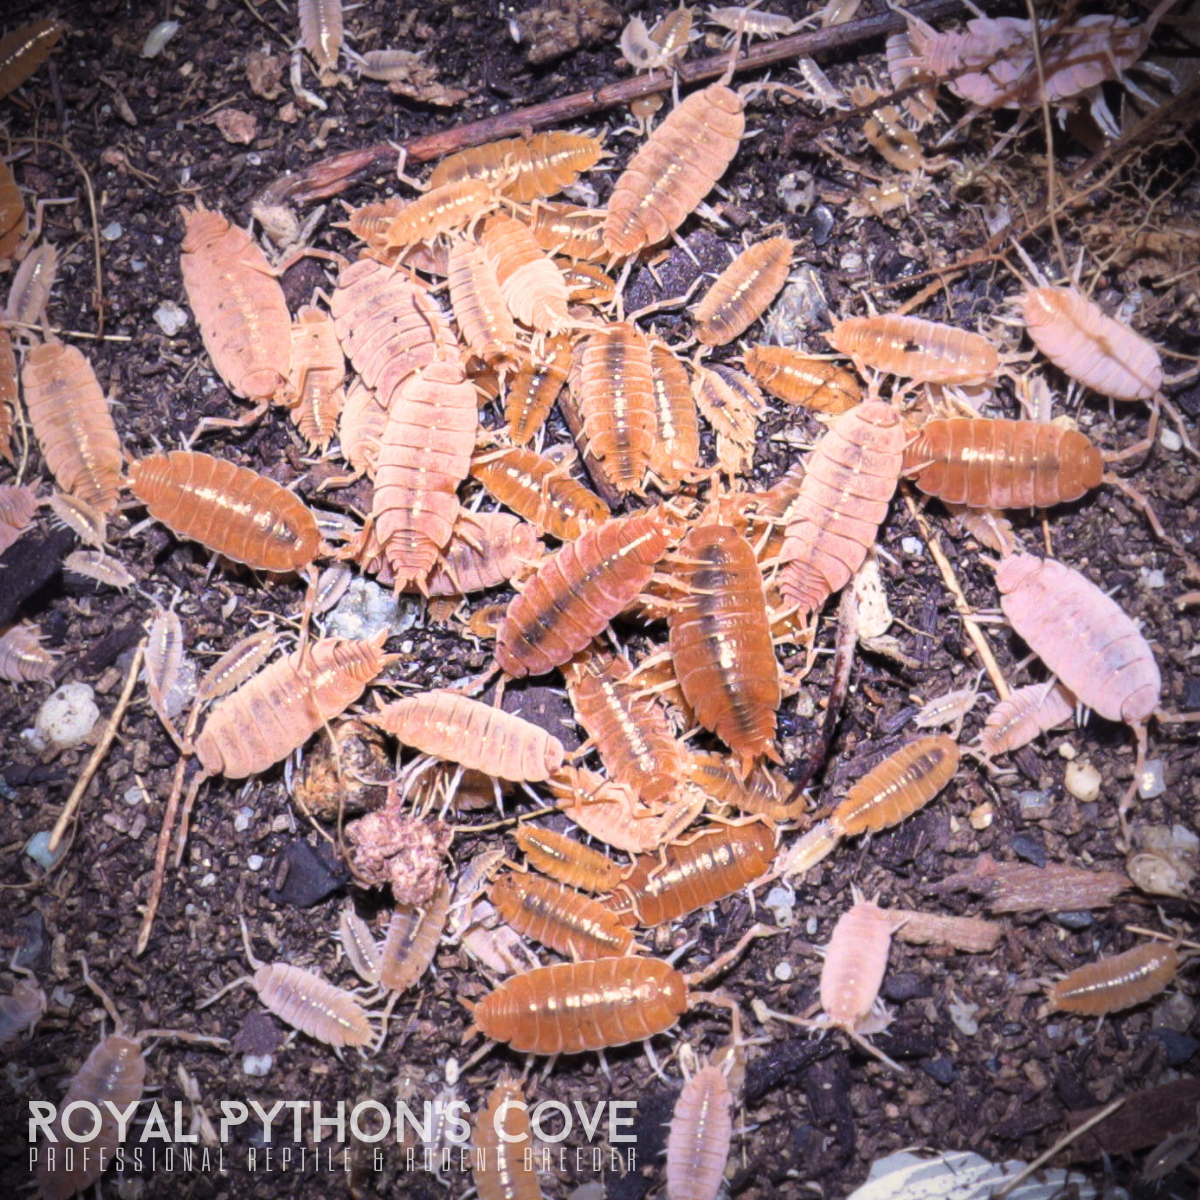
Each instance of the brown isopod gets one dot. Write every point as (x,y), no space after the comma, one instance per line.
(23,658)
(762,793)
(743,291)
(533,288)
(239,307)
(25,49)
(72,423)
(412,938)
(616,397)
(675,451)
(568,230)
(578,590)
(523,168)
(1028,711)
(568,861)
(700,870)
(731,403)
(630,730)
(587,283)
(797,378)
(539,490)
(1121,981)
(423,457)
(574,925)
(986,463)
(483,318)
(674,170)
(843,497)
(534,388)
(318,370)
(898,787)
(278,709)
(502,1159)
(29,293)
(720,641)
(231,510)
(14,221)
(439,211)
(1074,333)
(916,349)
(17,506)
(477,736)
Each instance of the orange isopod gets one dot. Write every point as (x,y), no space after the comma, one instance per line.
(731,403)
(24,50)
(843,497)
(29,293)
(675,451)
(986,463)
(797,378)
(534,388)
(439,211)
(720,641)
(17,506)
(423,457)
(278,709)
(539,490)
(412,938)
(486,549)
(232,510)
(898,787)
(706,867)
(14,221)
(568,230)
(478,736)
(674,170)
(574,925)
(533,288)
(1121,981)
(483,319)
(523,168)
(578,590)
(571,1007)
(72,423)
(239,306)
(318,370)
(762,793)
(360,428)
(743,291)
(1027,711)
(502,1166)
(567,860)
(921,350)
(587,283)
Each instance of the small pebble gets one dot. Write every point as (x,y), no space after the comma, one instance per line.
(257,1065)
(811,926)
(366,608)
(255,862)
(1151,782)
(962,1014)
(111,232)
(1176,1012)
(66,718)
(241,822)
(38,848)
(1029,847)
(158,37)
(1067,751)
(170,318)
(940,1070)
(1074,920)
(1179,1046)
(1154,579)
(784,972)
(133,796)
(795,191)
(780,897)
(851,261)
(822,224)
(137,264)
(208,881)
(1035,806)
(1170,439)
(911,546)
(1082,780)
(982,816)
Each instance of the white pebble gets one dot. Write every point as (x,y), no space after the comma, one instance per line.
(1170,439)
(1151,782)
(241,821)
(780,897)
(1082,780)
(111,232)
(133,795)
(912,547)
(784,972)
(811,926)
(257,1065)
(38,848)
(208,881)
(170,318)
(963,1014)
(851,262)
(1154,579)
(158,37)
(66,718)
(255,862)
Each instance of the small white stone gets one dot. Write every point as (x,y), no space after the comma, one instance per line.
(851,261)
(1170,439)
(255,862)
(38,848)
(111,232)
(1082,780)
(784,972)
(208,881)
(780,897)
(1154,579)
(133,796)
(66,718)
(912,547)
(241,821)
(963,1014)
(170,318)
(1067,751)
(257,1065)
(1151,782)
(811,926)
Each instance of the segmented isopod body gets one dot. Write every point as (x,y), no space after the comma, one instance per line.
(479,309)
(14,221)
(99,567)
(439,211)
(503,1165)
(700,1136)
(568,230)
(476,735)
(8,391)
(578,590)
(23,658)
(743,291)
(321,33)
(318,370)
(796,378)
(630,730)
(571,1007)
(720,641)
(73,424)
(855,964)
(674,170)
(970,934)
(705,868)
(283,705)
(1028,711)
(360,428)
(1111,984)
(675,451)
(21,1010)
(898,787)
(232,510)
(895,144)
(574,925)
(239,306)
(540,490)
(30,291)
(753,23)
(905,71)
(521,168)
(587,283)
(1002,464)
(236,665)
(17,506)
(532,286)
(616,395)
(534,388)
(425,454)
(1082,636)
(731,403)
(568,861)
(24,50)
(916,349)
(388,326)
(842,500)
(1074,333)
(485,550)
(762,793)
(312,1005)
(412,939)
(114,1074)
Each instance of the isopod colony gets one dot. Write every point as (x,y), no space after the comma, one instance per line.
(591,500)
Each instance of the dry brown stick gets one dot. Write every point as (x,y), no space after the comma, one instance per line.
(334,174)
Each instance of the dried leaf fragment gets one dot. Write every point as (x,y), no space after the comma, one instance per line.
(237,127)
(1016,887)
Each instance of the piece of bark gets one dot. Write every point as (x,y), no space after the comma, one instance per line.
(1143,1120)
(1018,887)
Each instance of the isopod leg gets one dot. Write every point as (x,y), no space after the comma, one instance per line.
(160,856)
(1131,791)
(246,421)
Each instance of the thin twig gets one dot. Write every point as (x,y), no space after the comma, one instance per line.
(93,763)
(332,175)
